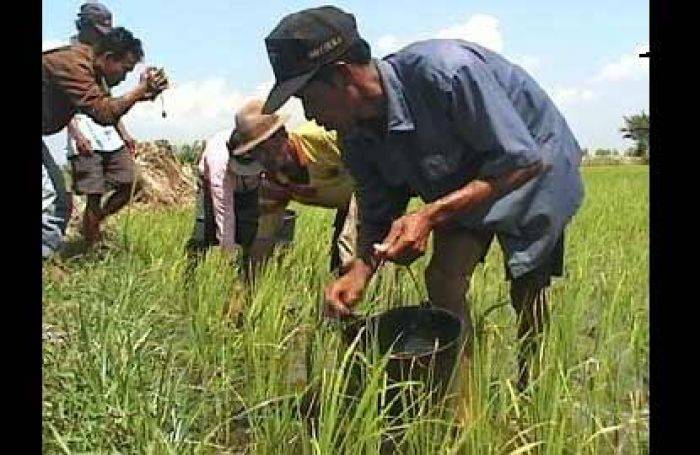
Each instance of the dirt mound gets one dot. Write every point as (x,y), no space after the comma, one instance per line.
(162,178)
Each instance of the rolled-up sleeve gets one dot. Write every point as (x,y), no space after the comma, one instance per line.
(378,204)
(485,118)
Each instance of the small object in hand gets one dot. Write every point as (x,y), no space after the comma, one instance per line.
(380,248)
(162,106)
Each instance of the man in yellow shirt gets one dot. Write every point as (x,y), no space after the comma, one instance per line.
(302,165)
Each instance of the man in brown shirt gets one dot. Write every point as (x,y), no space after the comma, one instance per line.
(101,157)
(72,81)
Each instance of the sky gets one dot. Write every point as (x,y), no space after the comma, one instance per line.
(584,54)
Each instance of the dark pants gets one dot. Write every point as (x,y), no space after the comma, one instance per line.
(340,217)
(101,171)
(247,212)
(56,176)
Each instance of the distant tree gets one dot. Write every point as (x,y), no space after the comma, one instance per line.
(584,151)
(637,129)
(603,152)
(191,153)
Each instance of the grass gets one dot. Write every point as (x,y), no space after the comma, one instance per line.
(153,363)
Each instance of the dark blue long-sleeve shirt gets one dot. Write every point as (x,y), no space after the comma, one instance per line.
(457,112)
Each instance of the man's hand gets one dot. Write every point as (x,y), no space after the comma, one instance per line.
(343,293)
(154,82)
(83,145)
(271,190)
(407,240)
(130,144)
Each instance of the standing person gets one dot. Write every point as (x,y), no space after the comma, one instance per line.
(468,131)
(101,157)
(72,81)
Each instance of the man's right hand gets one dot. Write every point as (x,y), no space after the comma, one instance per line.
(153,82)
(83,145)
(343,293)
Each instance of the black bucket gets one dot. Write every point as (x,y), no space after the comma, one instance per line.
(423,343)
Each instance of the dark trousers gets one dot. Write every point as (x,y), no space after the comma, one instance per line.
(247,212)
(338,223)
(56,176)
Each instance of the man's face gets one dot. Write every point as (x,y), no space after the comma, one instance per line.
(275,153)
(330,104)
(115,69)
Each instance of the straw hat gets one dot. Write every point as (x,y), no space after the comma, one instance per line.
(252,128)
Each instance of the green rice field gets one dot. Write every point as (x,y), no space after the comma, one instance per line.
(141,359)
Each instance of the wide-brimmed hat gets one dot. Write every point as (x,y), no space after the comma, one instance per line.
(252,128)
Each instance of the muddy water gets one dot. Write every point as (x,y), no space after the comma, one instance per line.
(415,345)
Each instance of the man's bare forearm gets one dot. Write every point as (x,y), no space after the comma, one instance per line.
(72,129)
(362,268)
(121,129)
(122,104)
(478,192)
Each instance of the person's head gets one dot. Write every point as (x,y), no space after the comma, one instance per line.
(94,21)
(318,56)
(116,54)
(259,141)
(275,154)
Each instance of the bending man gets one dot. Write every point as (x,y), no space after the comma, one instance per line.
(460,126)
(72,82)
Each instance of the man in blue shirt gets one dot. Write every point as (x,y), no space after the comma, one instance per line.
(458,125)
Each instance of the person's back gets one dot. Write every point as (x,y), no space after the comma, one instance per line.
(327,172)
(59,67)
(539,113)
(101,138)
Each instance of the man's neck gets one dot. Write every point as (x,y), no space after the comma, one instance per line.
(296,173)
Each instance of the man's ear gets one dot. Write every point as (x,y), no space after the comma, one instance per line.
(109,56)
(344,72)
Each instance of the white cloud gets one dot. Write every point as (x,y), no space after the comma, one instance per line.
(530,63)
(196,109)
(567,96)
(388,44)
(628,67)
(483,29)
(52,44)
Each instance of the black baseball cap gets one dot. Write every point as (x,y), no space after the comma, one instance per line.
(301,44)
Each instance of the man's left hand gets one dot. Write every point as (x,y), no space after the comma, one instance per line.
(407,240)
(130,144)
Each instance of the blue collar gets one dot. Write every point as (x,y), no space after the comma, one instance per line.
(399,117)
